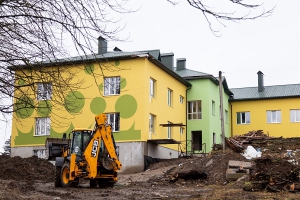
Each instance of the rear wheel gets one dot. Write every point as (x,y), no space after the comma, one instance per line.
(65,175)
(57,179)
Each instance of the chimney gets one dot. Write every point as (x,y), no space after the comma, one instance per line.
(168,60)
(260,81)
(102,45)
(180,64)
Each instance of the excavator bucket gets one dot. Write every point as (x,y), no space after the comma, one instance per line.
(55,146)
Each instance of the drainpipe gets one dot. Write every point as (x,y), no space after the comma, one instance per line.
(186,119)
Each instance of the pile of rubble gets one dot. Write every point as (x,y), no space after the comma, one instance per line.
(240,142)
(275,174)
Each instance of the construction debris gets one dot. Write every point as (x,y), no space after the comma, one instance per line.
(240,142)
(276,175)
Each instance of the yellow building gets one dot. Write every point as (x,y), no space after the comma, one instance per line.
(273,109)
(143,99)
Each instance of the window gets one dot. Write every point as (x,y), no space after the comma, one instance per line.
(40,153)
(181,99)
(152,87)
(114,120)
(169,131)
(181,130)
(213,104)
(151,123)
(226,116)
(243,117)
(295,115)
(44,91)
(273,116)
(194,110)
(112,85)
(170,93)
(42,126)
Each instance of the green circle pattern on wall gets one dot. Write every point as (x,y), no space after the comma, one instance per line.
(100,87)
(117,63)
(126,105)
(89,68)
(74,102)
(24,107)
(123,83)
(44,108)
(98,105)
(21,82)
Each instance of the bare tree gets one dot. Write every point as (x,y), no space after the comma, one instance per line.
(33,33)
(228,10)
(32,38)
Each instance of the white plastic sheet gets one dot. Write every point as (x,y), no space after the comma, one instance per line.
(250,153)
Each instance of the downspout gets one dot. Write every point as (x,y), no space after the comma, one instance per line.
(186,119)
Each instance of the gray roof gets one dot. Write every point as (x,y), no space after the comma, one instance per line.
(191,74)
(269,92)
(110,55)
(188,74)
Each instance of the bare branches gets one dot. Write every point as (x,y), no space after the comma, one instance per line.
(34,31)
(217,11)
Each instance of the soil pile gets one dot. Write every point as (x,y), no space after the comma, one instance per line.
(26,169)
(197,170)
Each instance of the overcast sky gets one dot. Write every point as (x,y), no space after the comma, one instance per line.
(270,44)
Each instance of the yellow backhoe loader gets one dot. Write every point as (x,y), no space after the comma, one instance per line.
(85,153)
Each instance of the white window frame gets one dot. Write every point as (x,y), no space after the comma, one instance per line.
(40,153)
(44,91)
(181,130)
(42,126)
(295,115)
(152,123)
(169,130)
(170,98)
(181,99)
(194,110)
(112,85)
(213,107)
(273,116)
(245,117)
(114,120)
(152,87)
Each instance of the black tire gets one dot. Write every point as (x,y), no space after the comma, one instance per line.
(93,183)
(64,175)
(57,179)
(105,182)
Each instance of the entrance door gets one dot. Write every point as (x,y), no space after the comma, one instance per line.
(197,140)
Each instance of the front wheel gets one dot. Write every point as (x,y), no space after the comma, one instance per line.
(65,175)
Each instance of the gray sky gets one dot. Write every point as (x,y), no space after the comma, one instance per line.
(268,44)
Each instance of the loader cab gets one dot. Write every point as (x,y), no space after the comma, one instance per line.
(80,138)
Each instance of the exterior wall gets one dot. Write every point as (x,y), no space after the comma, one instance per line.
(258,117)
(133,103)
(156,151)
(207,91)
(131,155)
(159,107)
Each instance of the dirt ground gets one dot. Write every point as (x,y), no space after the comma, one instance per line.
(182,178)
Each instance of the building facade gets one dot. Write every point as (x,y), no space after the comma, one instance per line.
(140,96)
(273,109)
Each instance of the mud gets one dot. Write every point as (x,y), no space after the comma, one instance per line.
(32,178)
